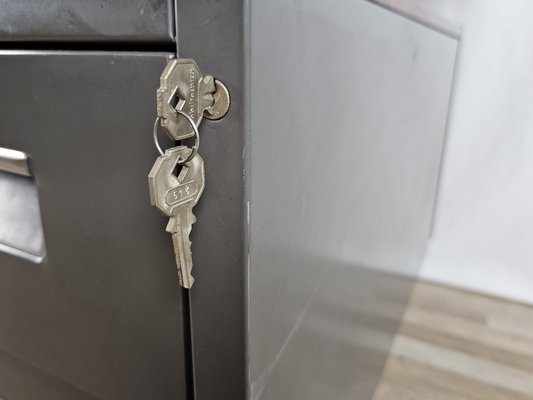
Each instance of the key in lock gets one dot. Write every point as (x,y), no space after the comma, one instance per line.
(183,87)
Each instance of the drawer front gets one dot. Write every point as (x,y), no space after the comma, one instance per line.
(87,21)
(102,312)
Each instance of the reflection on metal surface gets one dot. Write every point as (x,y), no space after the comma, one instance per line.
(333,254)
(340,335)
(14,161)
(21,232)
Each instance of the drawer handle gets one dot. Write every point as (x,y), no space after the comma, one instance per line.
(14,161)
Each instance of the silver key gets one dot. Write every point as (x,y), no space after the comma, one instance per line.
(175,196)
(183,87)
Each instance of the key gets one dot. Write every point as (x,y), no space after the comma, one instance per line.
(175,196)
(183,87)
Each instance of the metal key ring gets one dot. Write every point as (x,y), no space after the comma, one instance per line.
(194,149)
(156,129)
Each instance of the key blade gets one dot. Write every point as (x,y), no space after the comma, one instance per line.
(185,277)
(182,246)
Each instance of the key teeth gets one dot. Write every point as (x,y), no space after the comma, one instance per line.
(191,217)
(172,226)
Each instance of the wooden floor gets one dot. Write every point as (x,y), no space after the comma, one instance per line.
(456,345)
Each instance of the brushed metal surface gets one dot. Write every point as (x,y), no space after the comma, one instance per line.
(103,313)
(14,161)
(348,110)
(124,21)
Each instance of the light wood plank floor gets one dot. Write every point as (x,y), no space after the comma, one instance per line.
(454,345)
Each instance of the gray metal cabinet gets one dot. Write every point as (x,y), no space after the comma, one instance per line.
(320,185)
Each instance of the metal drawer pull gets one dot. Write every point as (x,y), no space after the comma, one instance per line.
(21,232)
(14,161)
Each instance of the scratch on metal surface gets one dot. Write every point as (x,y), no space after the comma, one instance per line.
(222,223)
(211,18)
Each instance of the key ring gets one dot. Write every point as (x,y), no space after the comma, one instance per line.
(194,149)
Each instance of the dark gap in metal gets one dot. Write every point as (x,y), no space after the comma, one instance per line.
(188,351)
(188,345)
(89,46)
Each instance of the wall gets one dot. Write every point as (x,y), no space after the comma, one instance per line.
(483,229)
